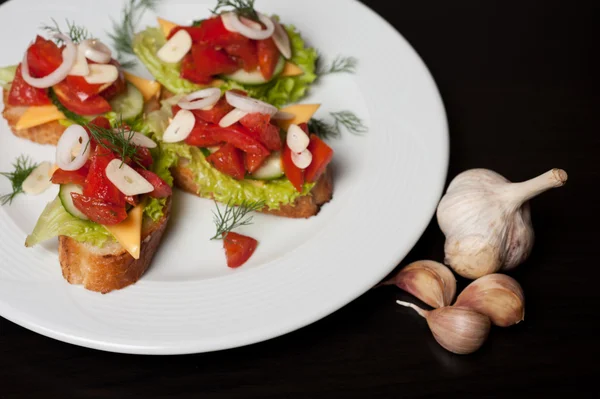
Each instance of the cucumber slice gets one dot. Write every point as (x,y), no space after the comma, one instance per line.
(270,170)
(67,201)
(255,78)
(128,105)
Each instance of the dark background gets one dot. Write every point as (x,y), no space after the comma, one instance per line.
(519,83)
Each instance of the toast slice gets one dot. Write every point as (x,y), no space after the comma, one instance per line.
(47,133)
(110,267)
(303,208)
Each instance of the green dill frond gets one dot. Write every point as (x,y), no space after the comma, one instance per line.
(234,216)
(350,121)
(75,32)
(339,65)
(117,140)
(243,8)
(323,129)
(23,167)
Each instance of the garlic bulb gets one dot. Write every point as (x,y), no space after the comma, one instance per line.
(498,296)
(458,330)
(429,281)
(486,220)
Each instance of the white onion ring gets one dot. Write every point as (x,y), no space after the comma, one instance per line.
(250,23)
(96,51)
(73,136)
(282,40)
(200,99)
(249,105)
(69,57)
(233,23)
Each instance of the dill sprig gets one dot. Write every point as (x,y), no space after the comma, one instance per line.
(339,65)
(243,8)
(124,29)
(70,115)
(75,32)
(341,119)
(234,216)
(117,140)
(23,167)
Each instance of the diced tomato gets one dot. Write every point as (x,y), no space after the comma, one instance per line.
(261,124)
(92,106)
(191,73)
(161,188)
(143,157)
(213,33)
(98,210)
(294,174)
(210,61)
(254,161)
(268,57)
(101,121)
(80,88)
(22,93)
(216,113)
(322,156)
(240,137)
(97,184)
(246,53)
(70,177)
(132,200)
(238,249)
(229,161)
(43,57)
(202,135)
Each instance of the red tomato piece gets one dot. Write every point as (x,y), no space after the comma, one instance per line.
(70,177)
(21,93)
(83,90)
(190,72)
(246,53)
(97,184)
(132,200)
(240,137)
(161,188)
(304,126)
(261,124)
(91,106)
(43,57)
(143,158)
(322,156)
(194,31)
(254,161)
(210,61)
(101,121)
(268,57)
(202,135)
(216,113)
(294,174)
(238,249)
(229,161)
(98,210)
(213,33)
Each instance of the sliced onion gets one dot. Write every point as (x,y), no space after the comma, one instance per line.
(73,136)
(69,56)
(96,51)
(138,139)
(250,23)
(297,139)
(233,23)
(249,105)
(200,99)
(283,116)
(282,40)
(232,117)
(303,159)
(126,179)
(180,128)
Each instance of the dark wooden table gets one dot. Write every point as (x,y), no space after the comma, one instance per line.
(519,80)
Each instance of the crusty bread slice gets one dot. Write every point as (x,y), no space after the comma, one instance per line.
(48,133)
(304,207)
(110,267)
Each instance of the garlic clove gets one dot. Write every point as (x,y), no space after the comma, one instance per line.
(486,220)
(458,330)
(431,282)
(498,296)
(176,48)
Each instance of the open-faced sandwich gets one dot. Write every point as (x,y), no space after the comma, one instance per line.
(238,150)
(112,208)
(237,48)
(69,78)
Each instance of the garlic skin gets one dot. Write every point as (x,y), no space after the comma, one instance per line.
(487,221)
(431,282)
(497,296)
(458,330)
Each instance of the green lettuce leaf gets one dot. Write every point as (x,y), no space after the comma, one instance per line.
(56,221)
(278,92)
(7,75)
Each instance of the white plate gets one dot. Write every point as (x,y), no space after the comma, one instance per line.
(387,185)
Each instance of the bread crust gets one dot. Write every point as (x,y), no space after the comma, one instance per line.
(111,267)
(303,208)
(48,133)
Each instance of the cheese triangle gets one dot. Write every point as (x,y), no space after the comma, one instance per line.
(166,26)
(129,232)
(148,88)
(303,113)
(291,70)
(38,115)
